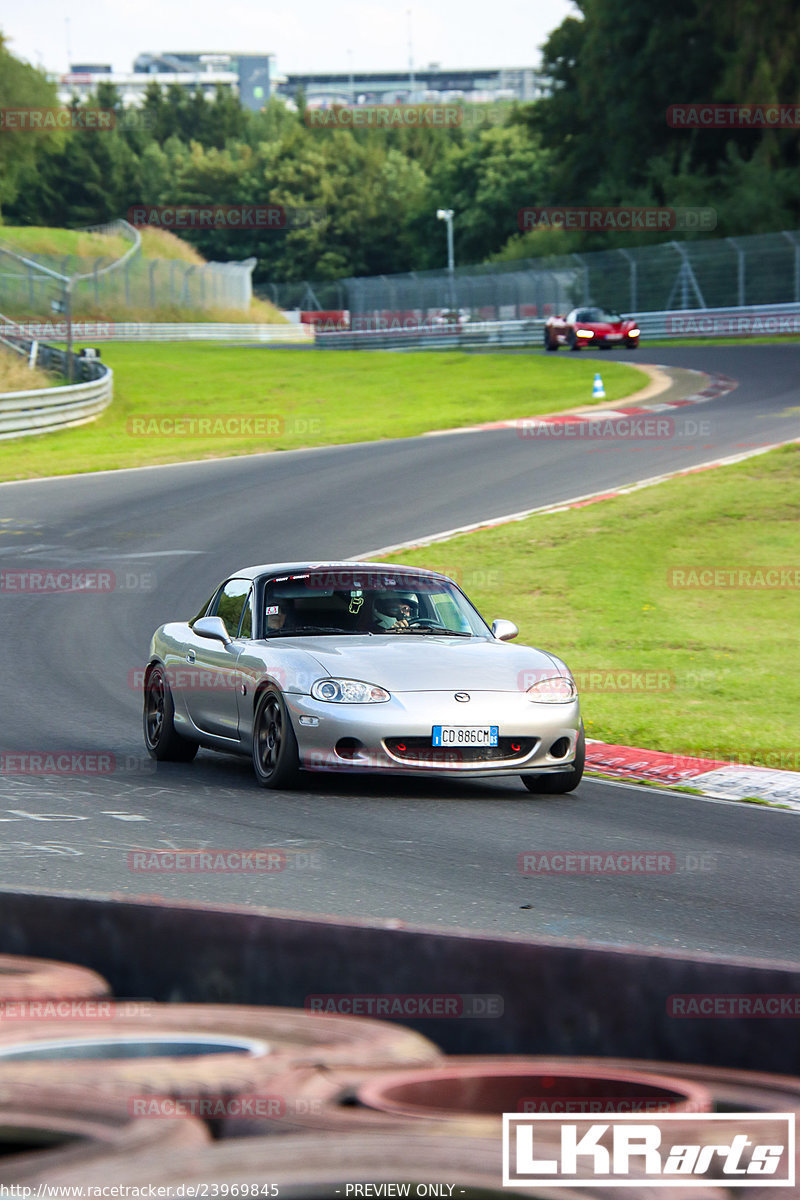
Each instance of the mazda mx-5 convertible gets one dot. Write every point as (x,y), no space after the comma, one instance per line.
(359,667)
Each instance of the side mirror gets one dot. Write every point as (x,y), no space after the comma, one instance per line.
(212,627)
(504,631)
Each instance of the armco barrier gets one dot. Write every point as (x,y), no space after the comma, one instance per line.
(759,321)
(47,409)
(763,320)
(470,335)
(558,998)
(91,331)
(43,410)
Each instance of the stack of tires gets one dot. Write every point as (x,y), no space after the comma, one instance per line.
(261,1101)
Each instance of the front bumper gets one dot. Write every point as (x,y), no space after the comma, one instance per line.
(362,737)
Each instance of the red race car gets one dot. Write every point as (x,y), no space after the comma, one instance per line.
(590,327)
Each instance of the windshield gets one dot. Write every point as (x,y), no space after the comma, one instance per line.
(324,602)
(598,315)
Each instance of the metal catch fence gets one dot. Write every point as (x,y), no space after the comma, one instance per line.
(706,273)
(32,285)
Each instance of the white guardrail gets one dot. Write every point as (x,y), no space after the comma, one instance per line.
(47,409)
(43,410)
(88,332)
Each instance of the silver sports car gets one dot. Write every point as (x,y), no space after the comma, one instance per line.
(359,667)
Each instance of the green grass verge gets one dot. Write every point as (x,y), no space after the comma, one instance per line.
(304,398)
(593,585)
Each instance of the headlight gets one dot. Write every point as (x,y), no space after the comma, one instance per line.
(584,333)
(633,333)
(557,690)
(348,691)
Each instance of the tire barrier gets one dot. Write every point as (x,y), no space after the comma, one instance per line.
(42,979)
(730,1090)
(321,1167)
(186,1051)
(478,1090)
(51,1129)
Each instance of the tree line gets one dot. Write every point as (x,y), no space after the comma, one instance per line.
(599,135)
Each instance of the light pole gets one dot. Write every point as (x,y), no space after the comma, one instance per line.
(446,214)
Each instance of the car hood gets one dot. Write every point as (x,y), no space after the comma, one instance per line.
(605,326)
(412,663)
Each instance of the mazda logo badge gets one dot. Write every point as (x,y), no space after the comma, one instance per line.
(462,696)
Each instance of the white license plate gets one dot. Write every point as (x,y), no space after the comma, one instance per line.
(465,735)
(613,337)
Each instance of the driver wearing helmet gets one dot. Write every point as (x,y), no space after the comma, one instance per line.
(394,612)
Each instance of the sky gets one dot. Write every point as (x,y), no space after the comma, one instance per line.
(304,35)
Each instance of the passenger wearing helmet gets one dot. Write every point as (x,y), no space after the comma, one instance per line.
(278,615)
(394,611)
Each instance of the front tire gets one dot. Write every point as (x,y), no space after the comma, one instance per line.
(557,785)
(572,341)
(275,758)
(550,344)
(161,738)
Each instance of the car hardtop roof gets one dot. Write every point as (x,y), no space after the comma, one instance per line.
(282,568)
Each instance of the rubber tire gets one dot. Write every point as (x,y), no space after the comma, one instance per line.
(572,341)
(287,763)
(557,785)
(318,1165)
(166,745)
(329,1099)
(287,1039)
(50,1129)
(632,345)
(44,979)
(550,344)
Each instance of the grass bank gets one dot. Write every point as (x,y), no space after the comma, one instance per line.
(676,607)
(163,392)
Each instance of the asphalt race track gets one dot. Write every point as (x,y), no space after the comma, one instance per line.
(433,854)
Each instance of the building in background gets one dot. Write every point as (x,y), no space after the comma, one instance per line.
(253,77)
(250,76)
(432,83)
